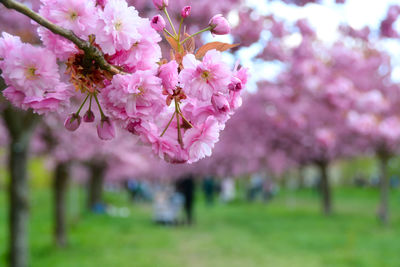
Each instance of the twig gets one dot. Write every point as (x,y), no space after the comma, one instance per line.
(90,50)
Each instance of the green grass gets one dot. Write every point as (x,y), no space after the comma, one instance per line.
(289,231)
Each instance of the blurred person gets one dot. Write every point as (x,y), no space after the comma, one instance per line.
(394,181)
(228,191)
(167,205)
(360,181)
(138,190)
(256,186)
(186,186)
(209,189)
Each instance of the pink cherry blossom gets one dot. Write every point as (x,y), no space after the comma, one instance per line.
(144,54)
(201,79)
(169,76)
(62,48)
(132,96)
(32,76)
(118,27)
(200,140)
(80,17)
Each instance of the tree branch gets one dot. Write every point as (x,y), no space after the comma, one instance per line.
(90,50)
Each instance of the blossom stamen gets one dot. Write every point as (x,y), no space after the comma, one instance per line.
(31,73)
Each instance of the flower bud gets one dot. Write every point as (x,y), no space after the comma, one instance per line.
(160,4)
(219,25)
(158,23)
(220,103)
(186,11)
(105,129)
(89,116)
(132,127)
(235,85)
(101,3)
(72,122)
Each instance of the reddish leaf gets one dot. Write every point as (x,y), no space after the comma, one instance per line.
(172,42)
(214,45)
(190,45)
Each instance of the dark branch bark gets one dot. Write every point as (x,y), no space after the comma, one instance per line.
(90,50)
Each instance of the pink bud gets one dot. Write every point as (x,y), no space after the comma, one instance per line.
(160,4)
(220,103)
(235,85)
(186,11)
(132,127)
(72,122)
(89,116)
(101,3)
(105,129)
(219,25)
(158,23)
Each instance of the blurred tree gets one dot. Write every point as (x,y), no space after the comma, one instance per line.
(20,125)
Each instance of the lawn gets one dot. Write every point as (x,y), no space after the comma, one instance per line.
(289,231)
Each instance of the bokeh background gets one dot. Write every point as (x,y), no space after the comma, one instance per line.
(306,173)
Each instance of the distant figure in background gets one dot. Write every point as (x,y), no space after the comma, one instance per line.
(228,191)
(186,187)
(209,189)
(167,205)
(269,189)
(360,181)
(394,181)
(139,191)
(256,187)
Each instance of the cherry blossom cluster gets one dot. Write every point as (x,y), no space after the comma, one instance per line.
(178,105)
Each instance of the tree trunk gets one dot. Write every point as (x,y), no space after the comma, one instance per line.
(301,177)
(325,189)
(383,210)
(95,185)
(60,186)
(18,199)
(20,125)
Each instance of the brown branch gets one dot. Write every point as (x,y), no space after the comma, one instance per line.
(90,50)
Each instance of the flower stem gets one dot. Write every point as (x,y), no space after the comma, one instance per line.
(167,32)
(170,22)
(180,30)
(180,141)
(183,117)
(90,102)
(98,104)
(169,123)
(83,103)
(194,34)
(179,34)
